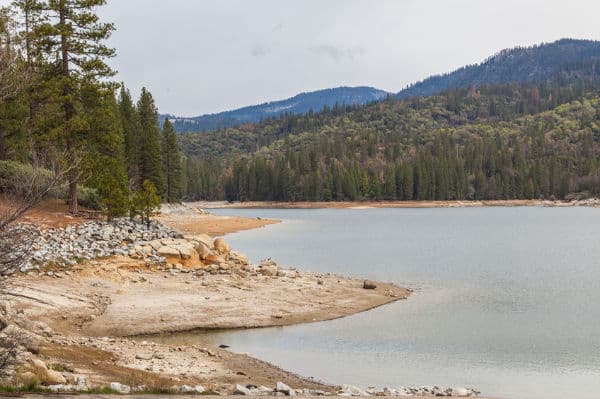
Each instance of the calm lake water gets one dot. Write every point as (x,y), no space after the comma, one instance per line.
(507,299)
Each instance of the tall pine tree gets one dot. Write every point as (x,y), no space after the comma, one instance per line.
(171,164)
(150,160)
(76,34)
(131,137)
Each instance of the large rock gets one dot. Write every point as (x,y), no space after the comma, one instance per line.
(203,250)
(54,377)
(221,246)
(281,387)
(241,390)
(186,251)
(168,252)
(204,238)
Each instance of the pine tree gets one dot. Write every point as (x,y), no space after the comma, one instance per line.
(77,35)
(150,160)
(171,164)
(131,137)
(146,201)
(104,166)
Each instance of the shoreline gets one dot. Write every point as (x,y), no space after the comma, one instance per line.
(594,202)
(89,319)
(197,221)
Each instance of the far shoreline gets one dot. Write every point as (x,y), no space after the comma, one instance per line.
(592,202)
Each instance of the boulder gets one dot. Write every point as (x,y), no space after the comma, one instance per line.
(281,387)
(186,251)
(168,252)
(214,259)
(203,238)
(54,377)
(369,285)
(221,246)
(203,250)
(241,390)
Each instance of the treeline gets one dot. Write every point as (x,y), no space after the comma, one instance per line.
(496,142)
(59,110)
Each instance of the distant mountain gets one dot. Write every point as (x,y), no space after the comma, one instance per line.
(299,104)
(565,59)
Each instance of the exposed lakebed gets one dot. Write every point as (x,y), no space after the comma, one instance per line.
(507,299)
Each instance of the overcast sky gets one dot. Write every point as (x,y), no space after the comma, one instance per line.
(203,56)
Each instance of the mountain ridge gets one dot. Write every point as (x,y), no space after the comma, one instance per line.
(299,104)
(531,64)
(562,60)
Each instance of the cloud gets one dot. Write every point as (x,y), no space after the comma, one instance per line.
(260,50)
(338,54)
(277,28)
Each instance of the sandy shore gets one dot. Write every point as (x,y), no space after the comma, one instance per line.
(206,223)
(390,204)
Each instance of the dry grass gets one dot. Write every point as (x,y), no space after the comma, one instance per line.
(104,368)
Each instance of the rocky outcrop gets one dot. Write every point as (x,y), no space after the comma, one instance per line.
(221,246)
(155,244)
(72,244)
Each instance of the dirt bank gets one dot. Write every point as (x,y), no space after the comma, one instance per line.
(390,204)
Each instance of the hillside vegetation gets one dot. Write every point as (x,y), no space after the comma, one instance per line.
(495,142)
(556,62)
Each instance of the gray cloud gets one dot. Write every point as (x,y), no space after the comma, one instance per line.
(338,54)
(260,50)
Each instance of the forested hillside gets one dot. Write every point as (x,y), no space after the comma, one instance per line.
(300,104)
(562,60)
(495,142)
(60,114)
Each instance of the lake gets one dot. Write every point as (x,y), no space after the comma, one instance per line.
(506,300)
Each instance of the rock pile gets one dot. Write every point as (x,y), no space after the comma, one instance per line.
(352,391)
(280,389)
(94,239)
(348,390)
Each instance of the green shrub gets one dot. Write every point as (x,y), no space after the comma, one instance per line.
(16,177)
(87,197)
